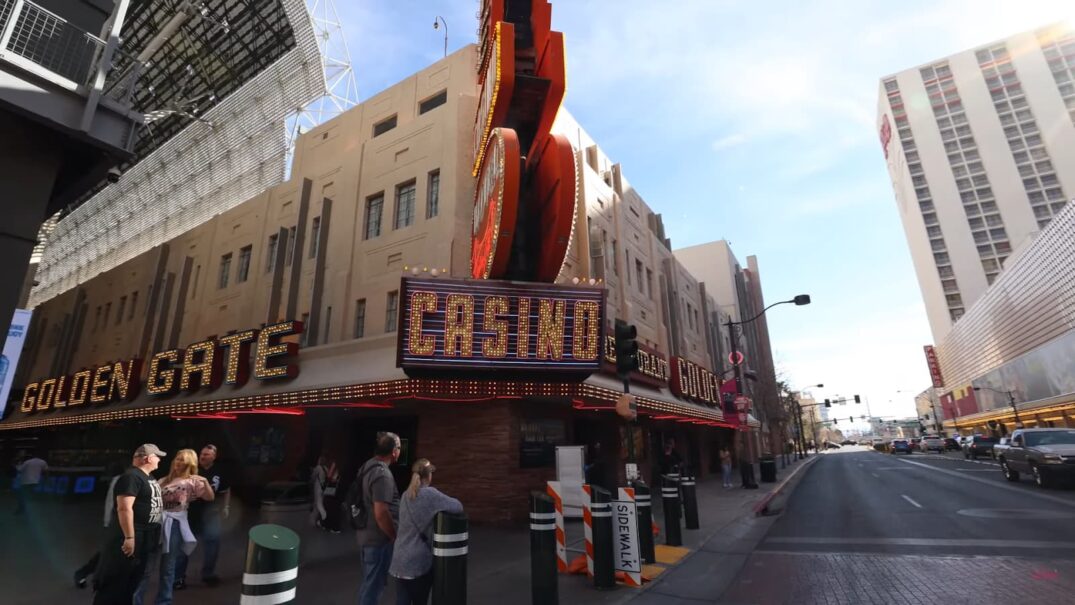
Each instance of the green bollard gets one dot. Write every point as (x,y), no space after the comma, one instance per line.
(272,565)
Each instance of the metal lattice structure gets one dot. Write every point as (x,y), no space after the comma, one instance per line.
(218,157)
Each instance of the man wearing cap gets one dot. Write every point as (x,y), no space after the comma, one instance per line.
(137,524)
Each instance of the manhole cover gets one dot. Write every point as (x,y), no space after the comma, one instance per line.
(1015,513)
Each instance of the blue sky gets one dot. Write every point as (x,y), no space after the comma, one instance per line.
(756,125)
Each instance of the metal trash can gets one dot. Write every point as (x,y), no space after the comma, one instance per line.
(768,469)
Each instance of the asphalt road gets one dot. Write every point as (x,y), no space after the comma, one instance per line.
(865,527)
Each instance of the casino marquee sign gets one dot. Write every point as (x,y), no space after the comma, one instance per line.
(201,366)
(483,325)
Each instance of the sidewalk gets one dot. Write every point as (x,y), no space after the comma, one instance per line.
(42,551)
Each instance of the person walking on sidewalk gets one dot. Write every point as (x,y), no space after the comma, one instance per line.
(412,561)
(207,519)
(136,534)
(726,466)
(29,476)
(324,481)
(381,498)
(178,489)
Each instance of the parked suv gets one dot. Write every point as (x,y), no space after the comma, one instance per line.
(900,446)
(1047,454)
(951,444)
(978,445)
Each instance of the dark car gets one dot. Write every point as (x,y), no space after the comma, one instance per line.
(979,445)
(951,444)
(900,446)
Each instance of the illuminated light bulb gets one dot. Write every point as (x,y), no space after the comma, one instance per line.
(434,272)
(414,270)
(406,268)
(592,281)
(425,269)
(575,280)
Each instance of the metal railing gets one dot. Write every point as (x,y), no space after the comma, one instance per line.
(34,38)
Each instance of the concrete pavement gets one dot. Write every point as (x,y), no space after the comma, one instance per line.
(42,550)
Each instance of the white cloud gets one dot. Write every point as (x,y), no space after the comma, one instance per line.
(732,140)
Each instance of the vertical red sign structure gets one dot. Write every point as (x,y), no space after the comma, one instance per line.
(521,233)
(934,366)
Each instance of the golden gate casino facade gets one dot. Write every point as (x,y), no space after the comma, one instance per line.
(428,269)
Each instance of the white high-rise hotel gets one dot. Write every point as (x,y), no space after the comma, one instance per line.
(981,151)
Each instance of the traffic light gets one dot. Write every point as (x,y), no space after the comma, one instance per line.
(857,400)
(835,421)
(626,348)
(852,419)
(828,403)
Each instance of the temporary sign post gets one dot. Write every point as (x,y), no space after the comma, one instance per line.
(628,556)
(16,335)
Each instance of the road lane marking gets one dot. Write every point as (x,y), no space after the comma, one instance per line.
(975,470)
(983,543)
(908,498)
(994,484)
(876,475)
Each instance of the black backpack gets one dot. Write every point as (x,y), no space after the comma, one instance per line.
(353,508)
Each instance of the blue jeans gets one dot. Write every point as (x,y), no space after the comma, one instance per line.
(726,473)
(167,562)
(209,539)
(375,562)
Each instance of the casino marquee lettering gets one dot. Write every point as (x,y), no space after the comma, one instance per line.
(454,324)
(202,365)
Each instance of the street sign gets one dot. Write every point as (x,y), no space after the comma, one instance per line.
(627,555)
(742,403)
(733,357)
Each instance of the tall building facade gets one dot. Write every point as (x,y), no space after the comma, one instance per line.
(980,148)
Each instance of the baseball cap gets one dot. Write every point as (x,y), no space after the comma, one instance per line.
(148,449)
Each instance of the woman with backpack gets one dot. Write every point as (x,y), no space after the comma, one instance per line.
(412,559)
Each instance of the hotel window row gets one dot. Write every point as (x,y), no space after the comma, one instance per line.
(103,313)
(424,106)
(925,201)
(1059,49)
(403,213)
(242,274)
(1024,138)
(972,182)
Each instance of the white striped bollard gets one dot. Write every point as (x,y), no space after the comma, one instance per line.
(645,522)
(544,589)
(272,566)
(673,536)
(450,539)
(690,502)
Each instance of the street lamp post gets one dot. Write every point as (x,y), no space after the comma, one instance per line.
(746,467)
(441,19)
(1011,402)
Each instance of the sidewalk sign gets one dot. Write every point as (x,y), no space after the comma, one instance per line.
(628,556)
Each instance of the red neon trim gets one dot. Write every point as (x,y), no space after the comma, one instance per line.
(665,417)
(204,416)
(351,404)
(273,411)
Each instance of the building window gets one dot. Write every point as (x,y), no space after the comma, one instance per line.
(384,126)
(108,313)
(134,304)
(225,271)
(360,318)
(433,102)
(193,288)
(391,309)
(304,340)
(121,309)
(615,255)
(404,216)
(290,246)
(270,258)
(627,264)
(244,264)
(374,209)
(433,195)
(638,274)
(649,282)
(97,319)
(315,237)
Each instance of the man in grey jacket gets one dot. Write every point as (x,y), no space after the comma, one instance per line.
(381,498)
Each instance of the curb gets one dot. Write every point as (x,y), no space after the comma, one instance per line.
(765,508)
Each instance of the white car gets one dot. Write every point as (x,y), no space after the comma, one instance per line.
(931,443)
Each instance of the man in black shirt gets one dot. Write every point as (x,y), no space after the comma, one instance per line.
(137,524)
(206,519)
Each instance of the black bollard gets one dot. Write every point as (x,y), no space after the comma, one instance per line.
(450,540)
(543,574)
(645,522)
(690,502)
(272,565)
(604,566)
(673,536)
